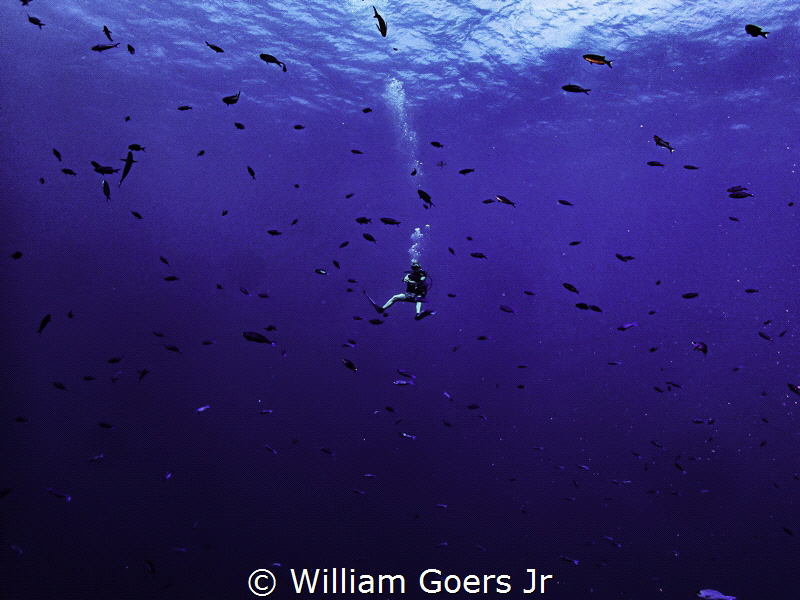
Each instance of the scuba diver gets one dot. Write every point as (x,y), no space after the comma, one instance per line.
(417,284)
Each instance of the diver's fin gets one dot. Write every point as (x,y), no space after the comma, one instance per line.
(377,307)
(424,313)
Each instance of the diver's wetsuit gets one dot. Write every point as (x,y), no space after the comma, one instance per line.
(416,285)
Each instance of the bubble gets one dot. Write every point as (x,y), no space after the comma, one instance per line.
(418,242)
(396,98)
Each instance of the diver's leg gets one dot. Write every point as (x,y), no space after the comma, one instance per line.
(392,300)
(421,314)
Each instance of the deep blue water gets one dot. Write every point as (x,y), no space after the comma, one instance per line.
(582,455)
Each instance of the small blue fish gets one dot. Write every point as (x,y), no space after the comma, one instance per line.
(713,595)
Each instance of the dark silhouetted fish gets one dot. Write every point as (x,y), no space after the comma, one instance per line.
(565,203)
(215,48)
(103,170)
(343,244)
(690,167)
(58,494)
(136,214)
(107,31)
(170,278)
(201,153)
(465,171)
(736,188)
(172,348)
(142,373)
(690,295)
(624,258)
(363,220)
(320,271)
(274,232)
(36,21)
(131,49)
(69,172)
(571,288)
(507,309)
(185,107)
(127,169)
(654,163)
(596,59)
(478,255)
(57,154)
(576,89)
(574,243)
(252,173)
(663,144)
(700,347)
(505,200)
(268,58)
(369,238)
(239,125)
(106,190)
(229,100)
(60,386)
(390,221)
(17,255)
(44,323)
(437,145)
(349,364)
(755,31)
(136,148)
(103,47)
(254,336)
(381,23)
(425,196)
(765,336)
(739,195)
(356,151)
